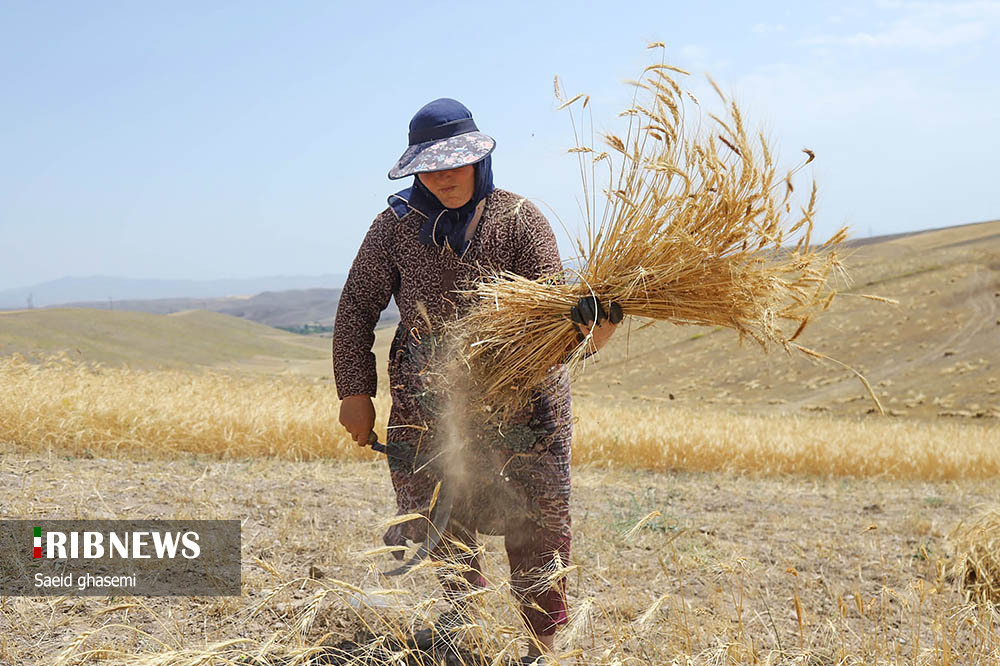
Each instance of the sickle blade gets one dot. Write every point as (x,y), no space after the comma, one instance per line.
(435,531)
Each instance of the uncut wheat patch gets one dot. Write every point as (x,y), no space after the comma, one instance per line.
(117,412)
(689,440)
(976,563)
(101,411)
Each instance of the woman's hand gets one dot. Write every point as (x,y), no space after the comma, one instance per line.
(588,310)
(601,335)
(357,415)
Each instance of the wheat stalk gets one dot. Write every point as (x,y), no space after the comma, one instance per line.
(976,563)
(697,228)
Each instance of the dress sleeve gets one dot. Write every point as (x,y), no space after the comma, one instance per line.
(370,284)
(538,252)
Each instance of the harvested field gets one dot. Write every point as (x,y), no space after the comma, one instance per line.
(734,572)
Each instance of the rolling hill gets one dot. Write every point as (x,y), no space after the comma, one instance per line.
(934,354)
(292,308)
(184,339)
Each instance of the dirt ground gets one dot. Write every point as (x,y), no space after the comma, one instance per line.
(732,556)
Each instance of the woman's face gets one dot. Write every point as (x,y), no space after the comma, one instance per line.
(454,187)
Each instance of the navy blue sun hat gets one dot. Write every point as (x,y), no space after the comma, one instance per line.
(442,136)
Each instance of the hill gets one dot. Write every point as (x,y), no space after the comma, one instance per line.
(273,308)
(289,309)
(936,353)
(184,339)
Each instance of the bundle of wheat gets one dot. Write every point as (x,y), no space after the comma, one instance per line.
(697,228)
(976,561)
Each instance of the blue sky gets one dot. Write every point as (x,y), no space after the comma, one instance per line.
(213,140)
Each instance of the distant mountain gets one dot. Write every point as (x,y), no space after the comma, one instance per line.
(293,308)
(109,290)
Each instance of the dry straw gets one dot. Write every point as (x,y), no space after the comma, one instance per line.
(976,563)
(697,227)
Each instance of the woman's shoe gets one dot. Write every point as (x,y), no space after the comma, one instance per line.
(539,660)
(442,635)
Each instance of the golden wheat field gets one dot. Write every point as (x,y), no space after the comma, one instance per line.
(77,409)
(700,537)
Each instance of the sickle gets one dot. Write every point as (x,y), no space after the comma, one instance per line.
(440,516)
(439,521)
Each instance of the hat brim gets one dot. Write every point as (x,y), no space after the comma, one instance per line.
(442,154)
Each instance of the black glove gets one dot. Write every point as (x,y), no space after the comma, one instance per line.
(588,309)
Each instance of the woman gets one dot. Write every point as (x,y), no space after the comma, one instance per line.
(435,240)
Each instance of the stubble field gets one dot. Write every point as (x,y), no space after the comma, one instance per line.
(736,568)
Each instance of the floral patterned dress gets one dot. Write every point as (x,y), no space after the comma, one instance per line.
(517,480)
